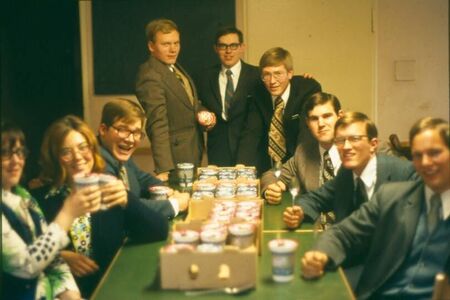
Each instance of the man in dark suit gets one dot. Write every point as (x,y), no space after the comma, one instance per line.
(227,95)
(120,133)
(273,123)
(169,98)
(362,172)
(310,164)
(404,232)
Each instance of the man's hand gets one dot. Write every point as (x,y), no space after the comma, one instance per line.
(206,119)
(79,264)
(274,192)
(308,75)
(183,200)
(69,295)
(163,176)
(114,193)
(293,216)
(313,264)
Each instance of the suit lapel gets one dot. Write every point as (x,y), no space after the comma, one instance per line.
(383,172)
(214,85)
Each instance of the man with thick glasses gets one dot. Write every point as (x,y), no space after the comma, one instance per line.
(120,133)
(169,98)
(273,123)
(225,89)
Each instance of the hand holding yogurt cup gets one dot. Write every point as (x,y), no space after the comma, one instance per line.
(113,192)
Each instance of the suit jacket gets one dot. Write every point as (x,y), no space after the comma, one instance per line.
(386,224)
(337,194)
(108,229)
(223,139)
(253,146)
(172,126)
(305,165)
(138,182)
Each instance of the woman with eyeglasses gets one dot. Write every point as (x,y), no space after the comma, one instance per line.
(31,264)
(69,149)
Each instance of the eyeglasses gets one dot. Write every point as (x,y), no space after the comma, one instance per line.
(266,77)
(68,154)
(124,133)
(232,46)
(21,153)
(352,139)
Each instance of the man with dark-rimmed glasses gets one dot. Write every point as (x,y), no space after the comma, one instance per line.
(362,173)
(225,89)
(120,132)
(273,124)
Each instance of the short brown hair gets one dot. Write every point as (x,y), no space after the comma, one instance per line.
(431,123)
(321,98)
(355,117)
(159,25)
(275,57)
(122,109)
(52,171)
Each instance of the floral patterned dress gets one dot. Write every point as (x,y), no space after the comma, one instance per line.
(41,258)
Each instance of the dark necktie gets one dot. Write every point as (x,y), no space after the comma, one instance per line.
(360,195)
(277,140)
(327,167)
(229,91)
(434,213)
(124,177)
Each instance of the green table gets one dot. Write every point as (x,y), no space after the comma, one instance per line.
(134,274)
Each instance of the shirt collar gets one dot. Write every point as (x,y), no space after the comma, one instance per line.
(445,201)
(284,96)
(369,174)
(236,69)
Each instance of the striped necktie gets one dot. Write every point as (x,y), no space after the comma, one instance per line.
(327,167)
(229,91)
(277,140)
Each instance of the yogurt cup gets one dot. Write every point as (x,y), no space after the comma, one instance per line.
(283,259)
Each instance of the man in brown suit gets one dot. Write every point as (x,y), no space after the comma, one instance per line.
(169,98)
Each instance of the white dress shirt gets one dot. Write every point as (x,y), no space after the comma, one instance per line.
(368,176)
(236,70)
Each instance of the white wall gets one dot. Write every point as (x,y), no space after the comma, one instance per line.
(412,63)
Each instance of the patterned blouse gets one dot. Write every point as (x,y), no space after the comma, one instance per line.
(40,259)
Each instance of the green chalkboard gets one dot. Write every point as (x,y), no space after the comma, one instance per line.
(120,43)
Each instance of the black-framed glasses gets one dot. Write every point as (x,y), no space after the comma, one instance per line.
(21,153)
(233,46)
(352,139)
(125,133)
(68,154)
(266,77)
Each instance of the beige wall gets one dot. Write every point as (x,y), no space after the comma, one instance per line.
(351,48)
(412,63)
(333,40)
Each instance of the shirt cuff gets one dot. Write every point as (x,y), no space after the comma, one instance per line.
(175,206)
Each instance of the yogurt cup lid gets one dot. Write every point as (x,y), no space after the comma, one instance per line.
(174,248)
(282,245)
(185,166)
(213,236)
(86,178)
(240,229)
(209,248)
(186,236)
(106,178)
(159,189)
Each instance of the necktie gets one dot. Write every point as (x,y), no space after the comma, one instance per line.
(277,141)
(80,233)
(124,177)
(434,213)
(327,174)
(229,91)
(327,167)
(360,195)
(184,82)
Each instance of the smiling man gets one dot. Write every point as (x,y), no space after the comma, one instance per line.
(272,129)
(361,173)
(169,98)
(402,234)
(225,89)
(120,132)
